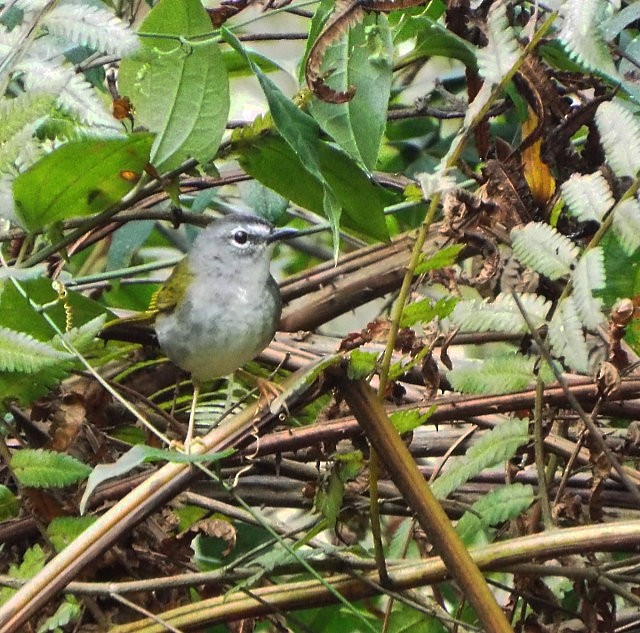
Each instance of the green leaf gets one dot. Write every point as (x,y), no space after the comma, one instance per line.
(178,85)
(496,446)
(498,374)
(424,311)
(361,364)
(363,59)
(296,127)
(474,315)
(328,499)
(32,562)
(499,505)
(446,256)
(409,419)
(263,201)
(137,456)
(434,39)
(272,161)
(21,353)
(47,469)
(63,530)
(69,611)
(79,179)
(9,506)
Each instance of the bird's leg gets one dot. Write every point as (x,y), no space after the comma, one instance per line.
(192,416)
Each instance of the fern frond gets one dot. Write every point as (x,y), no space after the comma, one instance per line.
(20,352)
(496,446)
(81,337)
(502,504)
(588,196)
(581,35)
(541,247)
(620,138)
(91,26)
(502,51)
(7,206)
(498,374)
(626,224)
(12,149)
(38,468)
(74,94)
(588,276)
(502,315)
(566,337)
(24,110)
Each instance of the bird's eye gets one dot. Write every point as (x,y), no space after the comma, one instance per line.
(240,237)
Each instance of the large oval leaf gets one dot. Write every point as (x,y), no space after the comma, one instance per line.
(178,85)
(79,178)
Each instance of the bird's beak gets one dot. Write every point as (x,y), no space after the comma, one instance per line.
(281,234)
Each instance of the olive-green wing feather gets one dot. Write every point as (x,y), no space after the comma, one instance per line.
(168,296)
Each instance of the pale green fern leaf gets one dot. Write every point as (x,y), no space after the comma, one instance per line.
(566,336)
(81,337)
(7,206)
(588,276)
(502,52)
(499,374)
(73,93)
(620,138)
(23,111)
(502,504)
(502,315)
(542,248)
(20,352)
(588,196)
(91,26)
(498,445)
(626,224)
(581,35)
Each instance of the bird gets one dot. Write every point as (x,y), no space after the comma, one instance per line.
(220,306)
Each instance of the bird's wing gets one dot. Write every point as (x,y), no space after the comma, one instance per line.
(167,297)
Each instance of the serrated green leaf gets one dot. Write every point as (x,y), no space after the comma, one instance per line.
(138,455)
(446,256)
(588,196)
(180,90)
(500,315)
(362,58)
(566,336)
(63,530)
(496,446)
(67,612)
(620,137)
(589,276)
(498,374)
(32,562)
(47,469)
(79,179)
(502,51)
(84,336)
(424,311)
(626,225)
(9,506)
(544,249)
(502,504)
(21,353)
(361,364)
(405,421)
